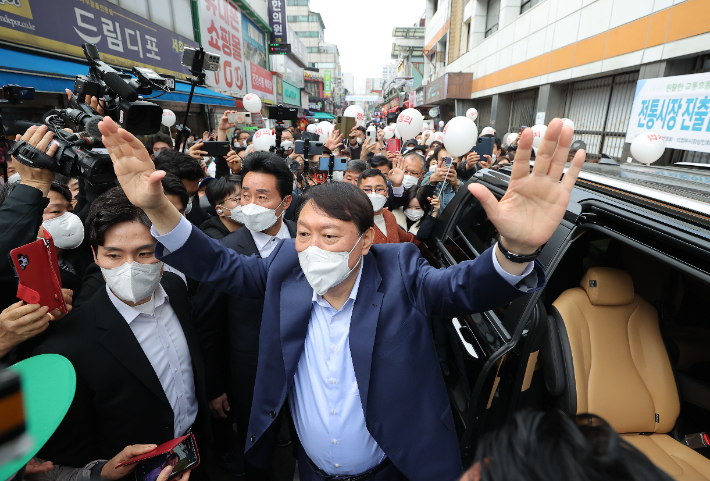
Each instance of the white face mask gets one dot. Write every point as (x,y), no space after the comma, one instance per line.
(14,178)
(235,214)
(414,214)
(493,158)
(338,175)
(67,230)
(133,281)
(324,269)
(378,201)
(432,168)
(258,218)
(359,141)
(188,207)
(409,181)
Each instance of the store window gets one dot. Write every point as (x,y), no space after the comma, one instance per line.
(307,34)
(528,4)
(297,3)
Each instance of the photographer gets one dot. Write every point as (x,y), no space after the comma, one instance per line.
(22,207)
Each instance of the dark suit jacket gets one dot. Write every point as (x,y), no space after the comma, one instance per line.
(401,387)
(219,316)
(119,400)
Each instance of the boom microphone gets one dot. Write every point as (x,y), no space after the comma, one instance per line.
(91,135)
(118,85)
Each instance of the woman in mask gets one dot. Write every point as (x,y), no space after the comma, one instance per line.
(419,213)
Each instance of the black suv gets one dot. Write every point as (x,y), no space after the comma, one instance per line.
(622,327)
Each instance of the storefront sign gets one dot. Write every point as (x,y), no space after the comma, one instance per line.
(326,83)
(312,76)
(450,86)
(277,21)
(261,82)
(362,98)
(315,106)
(419,97)
(254,44)
(221,30)
(677,108)
(123,38)
(436,90)
(292,94)
(299,51)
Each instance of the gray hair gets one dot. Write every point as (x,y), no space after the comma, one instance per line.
(419,157)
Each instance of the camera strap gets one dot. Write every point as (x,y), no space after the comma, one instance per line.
(32,156)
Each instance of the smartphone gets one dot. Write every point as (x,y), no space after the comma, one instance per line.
(215,148)
(37,271)
(345,125)
(339,164)
(314,148)
(371,136)
(180,453)
(312,136)
(484,146)
(239,118)
(394,145)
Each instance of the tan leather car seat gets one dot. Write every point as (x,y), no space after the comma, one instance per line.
(621,370)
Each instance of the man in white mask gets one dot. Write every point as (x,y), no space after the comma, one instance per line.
(228,326)
(345,337)
(138,367)
(355,140)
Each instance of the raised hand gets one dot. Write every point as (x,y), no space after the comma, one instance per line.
(334,141)
(234,162)
(435,205)
(134,170)
(396,175)
(40,137)
(536,201)
(195,152)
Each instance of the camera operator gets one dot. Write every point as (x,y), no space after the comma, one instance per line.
(21,215)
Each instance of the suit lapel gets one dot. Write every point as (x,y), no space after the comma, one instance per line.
(295,313)
(245,243)
(120,341)
(363,325)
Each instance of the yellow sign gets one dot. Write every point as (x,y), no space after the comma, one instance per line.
(18,7)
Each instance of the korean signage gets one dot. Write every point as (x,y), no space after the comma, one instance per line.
(254,44)
(260,81)
(419,97)
(124,39)
(362,98)
(299,51)
(677,108)
(277,21)
(449,86)
(326,83)
(221,30)
(312,76)
(292,94)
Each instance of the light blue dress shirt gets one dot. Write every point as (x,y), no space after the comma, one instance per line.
(325,398)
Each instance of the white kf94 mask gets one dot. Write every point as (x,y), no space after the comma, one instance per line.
(325,269)
(133,281)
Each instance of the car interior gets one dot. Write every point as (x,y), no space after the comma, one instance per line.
(626,337)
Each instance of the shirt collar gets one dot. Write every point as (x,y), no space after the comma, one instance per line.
(318,299)
(129,313)
(261,239)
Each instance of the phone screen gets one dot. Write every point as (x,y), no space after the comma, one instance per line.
(447,160)
(182,457)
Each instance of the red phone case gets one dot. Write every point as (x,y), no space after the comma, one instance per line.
(394,145)
(37,270)
(162,449)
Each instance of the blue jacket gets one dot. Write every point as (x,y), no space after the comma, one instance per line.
(402,389)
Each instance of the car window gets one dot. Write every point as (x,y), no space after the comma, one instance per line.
(473,234)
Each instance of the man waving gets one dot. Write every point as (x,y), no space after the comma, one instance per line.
(345,341)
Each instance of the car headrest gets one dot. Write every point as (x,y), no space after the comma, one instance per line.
(607,286)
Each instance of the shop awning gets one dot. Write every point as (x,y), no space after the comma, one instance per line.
(57,75)
(323,115)
(393,110)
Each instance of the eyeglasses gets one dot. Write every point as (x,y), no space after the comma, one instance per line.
(379,190)
(235,198)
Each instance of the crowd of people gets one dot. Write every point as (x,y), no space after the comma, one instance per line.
(253,302)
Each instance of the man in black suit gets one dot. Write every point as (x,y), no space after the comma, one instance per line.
(140,376)
(267,183)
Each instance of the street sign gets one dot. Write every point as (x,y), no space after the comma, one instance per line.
(279,48)
(434,112)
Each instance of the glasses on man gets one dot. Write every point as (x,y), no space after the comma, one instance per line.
(379,190)
(234,198)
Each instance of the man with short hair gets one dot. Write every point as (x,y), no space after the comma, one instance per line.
(224,195)
(139,372)
(381,163)
(353,171)
(345,333)
(190,173)
(160,142)
(355,141)
(266,194)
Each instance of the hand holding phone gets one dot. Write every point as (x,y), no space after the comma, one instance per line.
(181,454)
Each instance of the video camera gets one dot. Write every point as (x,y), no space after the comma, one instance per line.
(279,114)
(119,93)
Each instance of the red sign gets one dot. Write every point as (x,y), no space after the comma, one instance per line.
(222,29)
(261,79)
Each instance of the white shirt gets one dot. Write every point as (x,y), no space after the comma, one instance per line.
(160,335)
(380,223)
(265,243)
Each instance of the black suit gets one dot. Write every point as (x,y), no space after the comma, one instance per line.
(119,399)
(219,316)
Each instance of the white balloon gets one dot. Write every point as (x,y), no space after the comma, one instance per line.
(648,148)
(409,123)
(397,134)
(324,130)
(488,131)
(357,113)
(389,132)
(263,139)
(538,134)
(438,136)
(252,103)
(472,114)
(311,128)
(568,122)
(511,138)
(460,135)
(441,124)
(169,118)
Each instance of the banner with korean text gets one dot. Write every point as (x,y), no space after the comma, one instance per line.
(677,108)
(261,82)
(277,21)
(221,32)
(124,39)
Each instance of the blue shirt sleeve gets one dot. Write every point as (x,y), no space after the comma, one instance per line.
(176,238)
